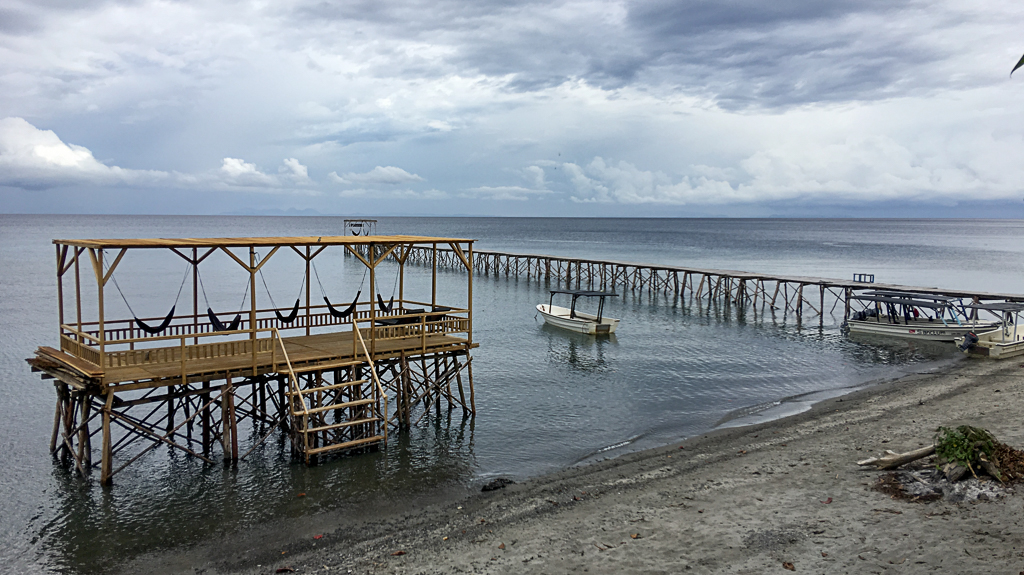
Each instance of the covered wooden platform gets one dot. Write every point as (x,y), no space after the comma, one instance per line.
(322,372)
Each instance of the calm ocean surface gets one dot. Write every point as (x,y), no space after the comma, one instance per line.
(546,399)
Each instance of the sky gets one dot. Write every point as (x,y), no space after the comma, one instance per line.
(727,108)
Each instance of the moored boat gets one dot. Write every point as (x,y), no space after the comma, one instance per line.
(914,316)
(572,320)
(1003,342)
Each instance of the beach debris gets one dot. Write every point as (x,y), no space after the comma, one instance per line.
(827,501)
(496,484)
(635,536)
(318,537)
(284,570)
(892,460)
(502,546)
(398,553)
(788,566)
(965,449)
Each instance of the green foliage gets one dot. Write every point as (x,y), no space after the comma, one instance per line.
(963,445)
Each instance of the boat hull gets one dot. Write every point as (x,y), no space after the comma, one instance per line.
(583,322)
(932,331)
(996,346)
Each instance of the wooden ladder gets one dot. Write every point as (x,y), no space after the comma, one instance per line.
(333,416)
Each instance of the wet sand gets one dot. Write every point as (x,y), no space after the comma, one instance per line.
(738,500)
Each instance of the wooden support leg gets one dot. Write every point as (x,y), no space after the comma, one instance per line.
(84,441)
(205,417)
(56,415)
(472,396)
(458,378)
(106,455)
(225,420)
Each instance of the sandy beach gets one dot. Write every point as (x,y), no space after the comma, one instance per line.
(757,499)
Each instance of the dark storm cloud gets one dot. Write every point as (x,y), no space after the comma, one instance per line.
(17,22)
(740,53)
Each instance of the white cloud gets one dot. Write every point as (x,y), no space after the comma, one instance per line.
(36,159)
(379,176)
(874,168)
(235,172)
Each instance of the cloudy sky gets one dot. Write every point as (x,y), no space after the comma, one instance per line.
(505,107)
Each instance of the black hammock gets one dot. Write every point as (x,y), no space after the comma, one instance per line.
(151,330)
(385,307)
(291,315)
(343,313)
(219,326)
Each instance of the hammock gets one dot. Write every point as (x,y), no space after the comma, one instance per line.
(159,328)
(345,312)
(295,309)
(219,326)
(153,330)
(335,312)
(385,307)
(291,315)
(214,320)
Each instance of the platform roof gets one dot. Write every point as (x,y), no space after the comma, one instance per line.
(257,241)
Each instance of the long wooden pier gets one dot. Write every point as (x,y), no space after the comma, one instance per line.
(333,377)
(800,295)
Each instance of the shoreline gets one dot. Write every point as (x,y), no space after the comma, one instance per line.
(745,499)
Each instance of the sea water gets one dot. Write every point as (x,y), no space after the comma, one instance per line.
(546,399)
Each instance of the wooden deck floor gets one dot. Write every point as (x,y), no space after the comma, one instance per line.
(327,350)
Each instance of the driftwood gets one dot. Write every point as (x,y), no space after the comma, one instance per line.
(892,460)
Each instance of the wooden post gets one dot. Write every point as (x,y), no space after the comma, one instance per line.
(84,442)
(821,310)
(195,295)
(60,286)
(225,419)
(373,301)
(469,297)
(252,309)
(106,455)
(308,261)
(78,295)
(59,387)
(205,416)
(433,275)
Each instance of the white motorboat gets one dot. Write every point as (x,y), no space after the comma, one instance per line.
(1000,343)
(913,316)
(572,320)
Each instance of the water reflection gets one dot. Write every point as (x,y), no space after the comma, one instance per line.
(580,351)
(174,501)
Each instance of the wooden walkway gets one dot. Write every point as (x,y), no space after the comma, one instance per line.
(772,291)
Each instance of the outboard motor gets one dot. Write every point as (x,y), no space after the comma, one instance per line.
(969,341)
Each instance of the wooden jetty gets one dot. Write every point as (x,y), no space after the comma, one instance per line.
(335,377)
(792,294)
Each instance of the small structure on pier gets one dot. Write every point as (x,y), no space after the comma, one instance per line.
(335,376)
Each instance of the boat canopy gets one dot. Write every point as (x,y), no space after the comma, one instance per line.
(578,293)
(585,293)
(1007,306)
(901,301)
(910,295)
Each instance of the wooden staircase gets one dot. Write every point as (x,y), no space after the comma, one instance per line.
(331,410)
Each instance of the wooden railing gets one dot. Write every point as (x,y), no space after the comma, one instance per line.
(161,349)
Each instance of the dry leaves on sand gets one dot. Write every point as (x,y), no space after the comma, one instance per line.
(788,566)
(397,553)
